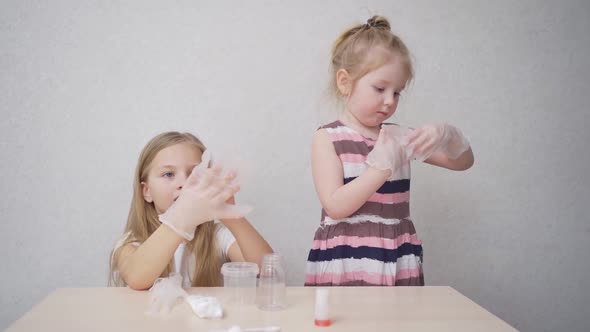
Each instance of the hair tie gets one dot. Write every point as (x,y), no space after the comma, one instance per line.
(370,24)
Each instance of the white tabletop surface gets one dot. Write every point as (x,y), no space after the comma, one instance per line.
(430,308)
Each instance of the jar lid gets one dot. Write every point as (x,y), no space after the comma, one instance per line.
(272,259)
(239,269)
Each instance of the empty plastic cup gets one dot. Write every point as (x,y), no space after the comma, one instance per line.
(240,280)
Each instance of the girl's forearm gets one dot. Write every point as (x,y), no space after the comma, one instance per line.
(145,264)
(463,162)
(348,198)
(252,245)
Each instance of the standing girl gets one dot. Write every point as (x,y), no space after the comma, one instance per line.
(361,166)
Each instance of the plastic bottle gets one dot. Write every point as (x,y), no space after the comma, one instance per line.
(271,292)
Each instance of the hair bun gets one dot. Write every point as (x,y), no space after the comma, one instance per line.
(377,22)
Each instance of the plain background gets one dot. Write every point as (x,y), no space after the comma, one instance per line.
(84,85)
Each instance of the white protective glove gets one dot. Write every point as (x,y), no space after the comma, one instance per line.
(205,306)
(424,141)
(388,154)
(202,198)
(164,292)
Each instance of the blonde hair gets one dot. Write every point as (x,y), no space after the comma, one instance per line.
(366,47)
(143,218)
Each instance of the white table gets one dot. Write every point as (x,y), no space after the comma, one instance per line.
(353,309)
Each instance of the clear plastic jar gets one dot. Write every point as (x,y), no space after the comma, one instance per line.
(271,292)
(240,279)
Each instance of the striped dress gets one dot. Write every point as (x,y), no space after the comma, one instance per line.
(375,246)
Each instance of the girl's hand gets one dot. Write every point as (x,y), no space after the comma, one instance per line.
(387,154)
(424,141)
(203,197)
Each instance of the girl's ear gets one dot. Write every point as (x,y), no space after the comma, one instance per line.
(343,81)
(145,189)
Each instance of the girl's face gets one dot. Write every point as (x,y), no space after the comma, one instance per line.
(374,97)
(168,173)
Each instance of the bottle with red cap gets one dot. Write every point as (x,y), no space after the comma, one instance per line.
(322,307)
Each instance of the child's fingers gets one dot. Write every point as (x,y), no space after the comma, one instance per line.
(214,189)
(198,170)
(205,160)
(216,169)
(231,200)
(226,193)
(209,175)
(194,177)
(416,147)
(219,183)
(384,141)
(422,141)
(217,187)
(418,142)
(426,149)
(413,135)
(230,176)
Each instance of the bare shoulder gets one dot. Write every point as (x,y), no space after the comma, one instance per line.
(326,166)
(321,140)
(323,152)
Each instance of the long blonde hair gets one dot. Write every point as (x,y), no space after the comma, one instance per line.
(143,218)
(366,47)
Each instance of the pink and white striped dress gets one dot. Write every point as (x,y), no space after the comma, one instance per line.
(375,246)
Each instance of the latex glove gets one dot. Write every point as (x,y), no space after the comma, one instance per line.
(205,306)
(387,154)
(424,141)
(202,198)
(164,293)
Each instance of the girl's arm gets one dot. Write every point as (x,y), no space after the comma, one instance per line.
(250,246)
(339,200)
(465,160)
(141,266)
(450,148)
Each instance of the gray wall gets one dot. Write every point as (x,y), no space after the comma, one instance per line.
(83,86)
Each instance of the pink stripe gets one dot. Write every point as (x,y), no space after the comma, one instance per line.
(390,198)
(372,278)
(370,241)
(346,137)
(352,158)
(408,273)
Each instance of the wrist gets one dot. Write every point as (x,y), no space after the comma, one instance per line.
(180,227)
(172,234)
(381,174)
